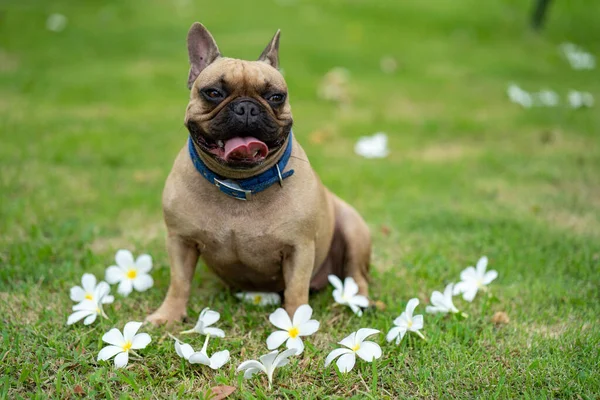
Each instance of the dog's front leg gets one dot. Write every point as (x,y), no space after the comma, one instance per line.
(183,256)
(297,272)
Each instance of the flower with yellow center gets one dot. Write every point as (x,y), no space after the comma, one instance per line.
(292,330)
(91,305)
(355,345)
(260,298)
(406,322)
(207,318)
(266,364)
(129,273)
(346,293)
(474,279)
(121,344)
(87,290)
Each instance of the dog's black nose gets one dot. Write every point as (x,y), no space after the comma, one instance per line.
(247,111)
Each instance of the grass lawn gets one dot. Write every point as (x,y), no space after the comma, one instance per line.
(91,119)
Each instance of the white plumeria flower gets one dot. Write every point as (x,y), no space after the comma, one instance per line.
(356,345)
(267,364)
(347,294)
(442,303)
(372,146)
(205,320)
(260,298)
(406,322)
(291,331)
(90,309)
(129,273)
(186,352)
(121,344)
(87,290)
(474,279)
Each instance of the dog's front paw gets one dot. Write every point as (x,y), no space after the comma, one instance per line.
(166,315)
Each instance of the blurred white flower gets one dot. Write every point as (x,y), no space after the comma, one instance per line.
(372,146)
(474,279)
(186,352)
(580,99)
(267,364)
(347,294)
(90,309)
(87,290)
(356,346)
(546,98)
(121,344)
(519,96)
(129,273)
(291,331)
(406,322)
(260,298)
(207,318)
(56,22)
(442,303)
(577,57)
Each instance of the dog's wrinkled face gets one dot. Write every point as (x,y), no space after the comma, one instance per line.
(238,111)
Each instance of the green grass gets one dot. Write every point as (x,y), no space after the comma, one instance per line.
(91,120)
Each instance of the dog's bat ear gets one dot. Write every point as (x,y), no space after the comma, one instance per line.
(202,50)
(270,54)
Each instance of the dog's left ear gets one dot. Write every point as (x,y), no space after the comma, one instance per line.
(270,54)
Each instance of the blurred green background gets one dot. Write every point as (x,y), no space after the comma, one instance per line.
(91,117)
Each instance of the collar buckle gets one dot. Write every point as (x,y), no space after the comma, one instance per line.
(231,188)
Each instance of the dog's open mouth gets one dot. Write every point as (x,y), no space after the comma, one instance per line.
(239,150)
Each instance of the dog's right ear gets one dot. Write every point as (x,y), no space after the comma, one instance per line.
(202,50)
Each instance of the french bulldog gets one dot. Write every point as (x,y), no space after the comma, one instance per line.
(284,232)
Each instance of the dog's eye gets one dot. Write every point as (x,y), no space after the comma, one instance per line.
(212,94)
(276,98)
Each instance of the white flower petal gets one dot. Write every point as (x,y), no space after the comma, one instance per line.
(125,287)
(402,321)
(489,277)
(280,319)
(140,341)
(410,307)
(302,315)
(284,357)
(349,341)
(219,359)
(393,333)
(369,351)
(113,274)
(121,359)
(114,337)
(108,299)
(462,286)
(360,301)
(101,291)
(435,310)
(470,293)
(90,319)
(336,282)
(124,259)
(276,339)
(209,317)
(268,359)
(214,332)
(309,327)
(183,350)
(78,316)
(199,358)
(144,263)
(334,354)
(346,362)
(143,282)
(250,372)
(481,266)
(338,298)
(417,323)
(77,293)
(130,330)
(251,364)
(88,282)
(437,299)
(469,274)
(363,333)
(356,309)
(448,292)
(109,352)
(350,287)
(295,343)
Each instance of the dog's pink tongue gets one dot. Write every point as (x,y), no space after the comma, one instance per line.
(245,148)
